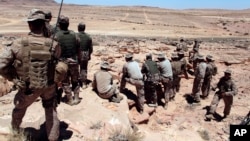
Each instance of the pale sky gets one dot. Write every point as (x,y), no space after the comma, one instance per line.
(171,4)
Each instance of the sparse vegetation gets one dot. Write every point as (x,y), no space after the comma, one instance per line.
(120,134)
(97,125)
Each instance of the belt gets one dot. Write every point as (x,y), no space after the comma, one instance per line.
(137,78)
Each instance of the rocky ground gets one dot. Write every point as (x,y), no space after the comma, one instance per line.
(140,31)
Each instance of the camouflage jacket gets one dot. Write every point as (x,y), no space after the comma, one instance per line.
(227,86)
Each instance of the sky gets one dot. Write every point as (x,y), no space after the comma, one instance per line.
(170,4)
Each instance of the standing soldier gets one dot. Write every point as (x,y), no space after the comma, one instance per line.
(184,67)
(177,72)
(131,73)
(182,45)
(150,69)
(86,48)
(199,78)
(227,89)
(70,49)
(30,65)
(210,71)
(193,58)
(166,73)
(48,17)
(104,86)
(196,44)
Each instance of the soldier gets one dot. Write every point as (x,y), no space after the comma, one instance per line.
(48,17)
(70,51)
(227,89)
(196,44)
(166,73)
(199,78)
(184,67)
(182,45)
(104,86)
(86,48)
(131,73)
(193,58)
(29,63)
(210,71)
(150,69)
(177,72)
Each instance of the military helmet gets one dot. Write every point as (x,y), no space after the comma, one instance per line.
(200,57)
(36,14)
(228,71)
(63,19)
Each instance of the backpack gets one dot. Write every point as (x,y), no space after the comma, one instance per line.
(153,72)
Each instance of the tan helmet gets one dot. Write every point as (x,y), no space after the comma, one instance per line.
(36,14)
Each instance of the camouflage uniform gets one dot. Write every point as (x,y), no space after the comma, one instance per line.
(177,71)
(32,70)
(227,89)
(182,46)
(49,27)
(86,48)
(131,73)
(210,71)
(199,78)
(150,69)
(166,73)
(70,50)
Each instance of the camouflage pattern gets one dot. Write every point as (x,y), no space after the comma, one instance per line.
(86,49)
(227,89)
(198,80)
(149,68)
(27,95)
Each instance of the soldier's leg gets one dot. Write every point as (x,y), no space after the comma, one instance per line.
(214,103)
(140,94)
(74,81)
(205,88)
(84,73)
(197,89)
(21,102)
(167,83)
(122,84)
(228,104)
(178,84)
(52,121)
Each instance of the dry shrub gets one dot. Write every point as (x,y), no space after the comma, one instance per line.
(120,134)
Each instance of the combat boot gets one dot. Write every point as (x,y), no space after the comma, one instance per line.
(76,99)
(69,100)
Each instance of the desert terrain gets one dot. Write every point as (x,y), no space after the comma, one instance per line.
(138,30)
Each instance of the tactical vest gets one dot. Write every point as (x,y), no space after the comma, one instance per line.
(176,67)
(153,74)
(225,85)
(85,41)
(36,66)
(67,40)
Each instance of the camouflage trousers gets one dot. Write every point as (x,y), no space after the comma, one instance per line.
(168,91)
(228,100)
(196,91)
(22,101)
(71,78)
(84,71)
(113,91)
(205,88)
(139,85)
(176,85)
(150,92)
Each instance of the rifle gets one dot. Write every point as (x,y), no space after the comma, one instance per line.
(59,91)
(246,119)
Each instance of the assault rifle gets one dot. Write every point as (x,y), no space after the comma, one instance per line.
(246,120)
